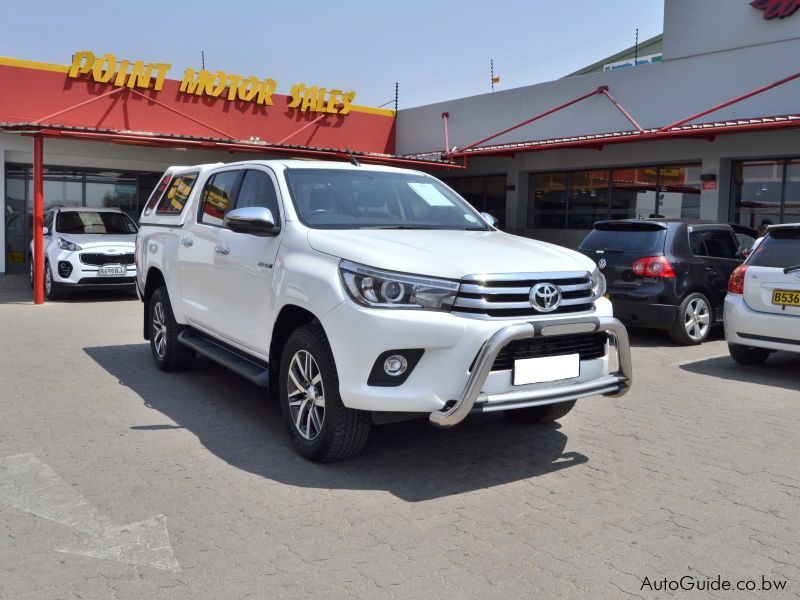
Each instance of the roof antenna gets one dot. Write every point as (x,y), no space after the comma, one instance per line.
(353,159)
(203,58)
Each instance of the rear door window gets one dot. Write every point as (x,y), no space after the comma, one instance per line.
(625,240)
(177,194)
(780,249)
(217,197)
(716,243)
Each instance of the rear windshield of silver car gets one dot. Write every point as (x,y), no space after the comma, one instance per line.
(350,199)
(88,222)
(780,249)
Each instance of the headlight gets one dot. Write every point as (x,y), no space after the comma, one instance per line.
(67,245)
(598,283)
(386,289)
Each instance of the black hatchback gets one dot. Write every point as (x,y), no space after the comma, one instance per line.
(669,274)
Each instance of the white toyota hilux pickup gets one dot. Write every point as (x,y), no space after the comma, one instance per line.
(363,294)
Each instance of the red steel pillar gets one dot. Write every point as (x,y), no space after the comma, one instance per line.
(38,219)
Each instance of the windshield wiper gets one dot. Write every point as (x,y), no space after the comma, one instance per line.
(788,270)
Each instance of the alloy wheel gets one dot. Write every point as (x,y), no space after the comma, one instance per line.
(159,330)
(48,280)
(306,395)
(697,319)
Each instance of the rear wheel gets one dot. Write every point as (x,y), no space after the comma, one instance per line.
(540,414)
(693,322)
(321,427)
(748,355)
(168,353)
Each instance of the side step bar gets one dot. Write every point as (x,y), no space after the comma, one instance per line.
(237,361)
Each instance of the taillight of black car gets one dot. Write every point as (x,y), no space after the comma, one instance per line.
(654,266)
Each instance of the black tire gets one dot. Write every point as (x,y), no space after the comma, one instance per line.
(52,290)
(343,431)
(31,276)
(541,414)
(686,332)
(168,353)
(748,355)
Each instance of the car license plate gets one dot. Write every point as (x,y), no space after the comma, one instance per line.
(786,298)
(549,368)
(112,271)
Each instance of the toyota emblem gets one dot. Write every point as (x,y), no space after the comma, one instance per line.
(602,264)
(545,297)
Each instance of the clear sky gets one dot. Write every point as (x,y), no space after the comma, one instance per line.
(436,50)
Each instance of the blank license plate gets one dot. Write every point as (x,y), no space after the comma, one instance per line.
(114,271)
(785,298)
(549,368)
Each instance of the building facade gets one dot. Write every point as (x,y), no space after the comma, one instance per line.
(567,170)
(600,144)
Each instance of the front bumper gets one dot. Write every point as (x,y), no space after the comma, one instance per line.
(473,399)
(85,276)
(451,344)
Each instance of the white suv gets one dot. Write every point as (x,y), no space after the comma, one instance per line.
(365,294)
(762,308)
(87,249)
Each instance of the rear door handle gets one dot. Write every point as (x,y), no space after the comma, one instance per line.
(222,250)
(187,242)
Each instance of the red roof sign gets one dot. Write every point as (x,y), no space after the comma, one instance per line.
(776,8)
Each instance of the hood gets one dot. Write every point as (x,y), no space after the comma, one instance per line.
(449,254)
(123,243)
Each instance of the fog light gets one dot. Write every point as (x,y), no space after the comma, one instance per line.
(395,365)
(64,268)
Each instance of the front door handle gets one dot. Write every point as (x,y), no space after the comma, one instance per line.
(222,250)
(187,242)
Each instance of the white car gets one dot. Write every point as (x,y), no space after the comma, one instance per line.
(363,294)
(762,308)
(87,249)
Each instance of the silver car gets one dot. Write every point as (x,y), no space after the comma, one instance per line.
(762,308)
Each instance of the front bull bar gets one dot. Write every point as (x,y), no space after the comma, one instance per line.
(615,385)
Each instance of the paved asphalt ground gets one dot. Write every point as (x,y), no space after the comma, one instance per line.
(119,481)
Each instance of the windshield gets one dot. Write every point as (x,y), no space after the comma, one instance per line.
(89,222)
(349,199)
(630,239)
(780,249)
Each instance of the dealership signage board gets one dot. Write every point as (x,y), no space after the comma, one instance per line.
(629,62)
(107,69)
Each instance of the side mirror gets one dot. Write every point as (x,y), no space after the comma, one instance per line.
(45,231)
(255,220)
(489,219)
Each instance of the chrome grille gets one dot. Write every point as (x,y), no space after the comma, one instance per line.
(508,295)
(99,260)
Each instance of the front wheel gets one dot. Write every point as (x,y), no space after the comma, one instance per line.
(540,414)
(321,427)
(168,353)
(693,322)
(748,355)
(52,290)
